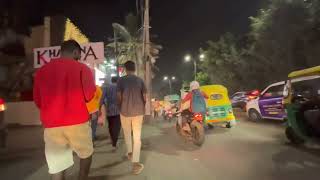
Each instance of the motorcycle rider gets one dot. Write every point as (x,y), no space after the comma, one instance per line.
(197,100)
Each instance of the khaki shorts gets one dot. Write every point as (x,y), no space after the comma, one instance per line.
(60,143)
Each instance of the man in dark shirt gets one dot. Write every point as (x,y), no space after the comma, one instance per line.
(132,97)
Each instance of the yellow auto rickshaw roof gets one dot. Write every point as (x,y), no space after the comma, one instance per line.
(305,72)
(214,88)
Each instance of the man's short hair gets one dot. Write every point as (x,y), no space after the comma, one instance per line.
(130,66)
(69,46)
(114,79)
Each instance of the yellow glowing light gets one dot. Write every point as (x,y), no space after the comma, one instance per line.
(2,107)
(73,32)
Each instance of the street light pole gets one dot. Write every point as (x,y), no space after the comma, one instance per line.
(195,69)
(170,86)
(188,58)
(170,79)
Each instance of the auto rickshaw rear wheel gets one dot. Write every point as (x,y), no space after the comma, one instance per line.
(293,137)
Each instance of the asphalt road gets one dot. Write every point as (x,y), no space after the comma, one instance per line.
(249,151)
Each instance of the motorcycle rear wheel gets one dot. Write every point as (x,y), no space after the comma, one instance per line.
(197,131)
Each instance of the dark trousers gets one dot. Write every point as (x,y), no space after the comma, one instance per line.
(94,124)
(114,128)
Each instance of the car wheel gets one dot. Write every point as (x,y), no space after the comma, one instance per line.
(254,115)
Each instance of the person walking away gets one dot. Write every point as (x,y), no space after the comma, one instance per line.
(131,92)
(109,99)
(61,90)
(94,111)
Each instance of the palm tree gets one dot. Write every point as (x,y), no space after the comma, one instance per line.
(129,44)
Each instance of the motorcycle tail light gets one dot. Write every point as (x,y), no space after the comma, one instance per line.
(198,117)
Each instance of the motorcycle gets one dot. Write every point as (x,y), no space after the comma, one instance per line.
(170,115)
(190,126)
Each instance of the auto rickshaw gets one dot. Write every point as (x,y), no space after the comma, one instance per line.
(219,106)
(302,104)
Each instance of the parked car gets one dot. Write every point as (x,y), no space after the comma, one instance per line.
(268,105)
(240,99)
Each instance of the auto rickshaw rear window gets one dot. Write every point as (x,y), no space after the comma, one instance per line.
(216,96)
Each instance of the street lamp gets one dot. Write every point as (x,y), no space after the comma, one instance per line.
(188,58)
(169,79)
(201,57)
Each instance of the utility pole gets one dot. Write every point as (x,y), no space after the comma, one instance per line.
(147,57)
(195,70)
(170,86)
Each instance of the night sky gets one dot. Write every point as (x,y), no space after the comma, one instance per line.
(181,26)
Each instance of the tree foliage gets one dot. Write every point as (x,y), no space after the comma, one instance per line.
(223,61)
(283,37)
(129,42)
(203,78)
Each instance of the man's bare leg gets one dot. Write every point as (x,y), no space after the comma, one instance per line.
(85,165)
(58,176)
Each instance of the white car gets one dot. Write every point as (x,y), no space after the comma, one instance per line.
(268,105)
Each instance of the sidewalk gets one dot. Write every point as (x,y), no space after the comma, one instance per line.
(26,156)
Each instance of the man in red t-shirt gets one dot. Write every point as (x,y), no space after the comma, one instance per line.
(61,90)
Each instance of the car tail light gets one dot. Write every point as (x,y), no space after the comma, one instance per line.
(2,105)
(250,97)
(198,117)
(255,93)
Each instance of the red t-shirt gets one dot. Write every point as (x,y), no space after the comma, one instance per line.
(61,90)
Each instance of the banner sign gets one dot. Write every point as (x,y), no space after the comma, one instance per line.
(91,53)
